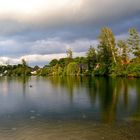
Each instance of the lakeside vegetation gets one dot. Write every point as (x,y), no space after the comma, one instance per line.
(111,57)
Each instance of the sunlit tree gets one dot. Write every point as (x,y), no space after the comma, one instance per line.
(72,68)
(124,51)
(107,48)
(69,53)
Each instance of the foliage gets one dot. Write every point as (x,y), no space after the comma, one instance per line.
(72,68)
(53,62)
(134,70)
(91,58)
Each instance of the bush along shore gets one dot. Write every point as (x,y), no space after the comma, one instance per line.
(111,57)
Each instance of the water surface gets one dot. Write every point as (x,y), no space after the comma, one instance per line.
(69,108)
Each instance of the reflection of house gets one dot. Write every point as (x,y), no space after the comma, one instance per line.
(97,66)
(5,72)
(34,72)
(125,62)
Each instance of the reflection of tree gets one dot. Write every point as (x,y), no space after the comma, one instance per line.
(67,82)
(111,95)
(70,87)
(138,94)
(23,80)
(111,90)
(125,86)
(108,92)
(76,82)
(92,89)
(4,85)
(14,83)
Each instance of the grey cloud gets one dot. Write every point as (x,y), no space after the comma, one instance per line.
(72,32)
(124,24)
(14,48)
(11,48)
(89,11)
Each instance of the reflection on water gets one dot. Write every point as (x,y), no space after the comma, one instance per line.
(105,99)
(44,108)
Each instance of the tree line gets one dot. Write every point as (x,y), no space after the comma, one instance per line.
(111,57)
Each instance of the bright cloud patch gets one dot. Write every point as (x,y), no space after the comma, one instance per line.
(35,59)
(40,51)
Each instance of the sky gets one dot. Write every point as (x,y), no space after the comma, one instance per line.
(42,30)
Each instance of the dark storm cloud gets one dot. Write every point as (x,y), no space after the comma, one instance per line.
(63,24)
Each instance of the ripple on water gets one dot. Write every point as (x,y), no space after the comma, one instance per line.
(32,111)
(32,117)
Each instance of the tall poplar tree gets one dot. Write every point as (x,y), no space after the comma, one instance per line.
(107,48)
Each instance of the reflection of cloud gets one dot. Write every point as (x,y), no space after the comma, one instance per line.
(3,87)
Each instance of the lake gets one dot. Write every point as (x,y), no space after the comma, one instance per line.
(69,108)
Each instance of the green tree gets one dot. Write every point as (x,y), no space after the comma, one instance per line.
(91,58)
(69,53)
(23,70)
(53,62)
(24,63)
(72,68)
(63,62)
(134,42)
